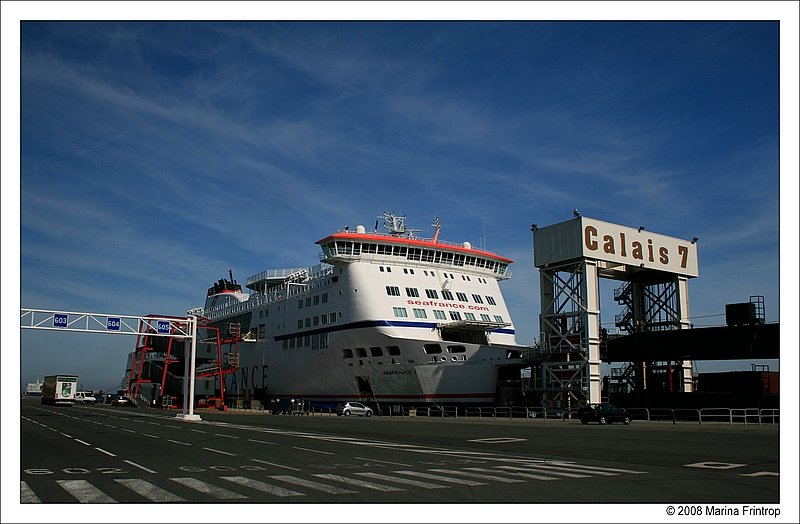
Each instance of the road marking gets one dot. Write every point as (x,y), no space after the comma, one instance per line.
(276,465)
(84,492)
(578,469)
(128,430)
(714,465)
(218,451)
(356,482)
(385,462)
(81,441)
(261,442)
(149,435)
(101,450)
(313,450)
(27,495)
(68,436)
(760,474)
(311,484)
(583,467)
(149,491)
(134,464)
(470,474)
(208,489)
(399,480)
(178,442)
(530,476)
(226,436)
(197,430)
(498,440)
(261,486)
(548,471)
(442,478)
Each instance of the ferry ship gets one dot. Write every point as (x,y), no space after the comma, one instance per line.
(384,317)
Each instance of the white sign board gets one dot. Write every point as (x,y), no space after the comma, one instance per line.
(585,237)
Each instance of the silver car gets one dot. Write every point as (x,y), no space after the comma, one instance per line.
(353,408)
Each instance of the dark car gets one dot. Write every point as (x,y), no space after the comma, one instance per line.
(123,401)
(603,414)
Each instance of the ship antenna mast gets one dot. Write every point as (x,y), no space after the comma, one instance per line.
(396,225)
(438,226)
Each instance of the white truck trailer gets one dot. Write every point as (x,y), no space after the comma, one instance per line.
(59,389)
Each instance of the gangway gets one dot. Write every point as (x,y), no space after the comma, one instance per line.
(114,324)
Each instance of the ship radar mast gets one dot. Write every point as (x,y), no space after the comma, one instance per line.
(396,225)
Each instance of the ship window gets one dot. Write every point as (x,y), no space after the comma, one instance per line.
(477,299)
(323,340)
(490,300)
(432,349)
(324,319)
(315,322)
(455,315)
(299,304)
(462,297)
(347,353)
(388,269)
(308,321)
(447,295)
(308,301)
(498,318)
(414,253)
(299,323)
(376,351)
(469,316)
(361,352)
(262,330)
(400,312)
(439,314)
(381,268)
(412,292)
(393,350)
(332,317)
(393,291)
(432,293)
(420,313)
(324,299)
(456,349)
(485,317)
(316,300)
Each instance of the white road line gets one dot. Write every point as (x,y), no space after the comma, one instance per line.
(208,489)
(223,435)
(441,478)
(149,435)
(134,464)
(276,465)
(472,474)
(311,484)
(68,436)
(581,466)
(263,487)
(197,430)
(218,451)
(313,450)
(81,441)
(548,471)
(27,495)
(128,430)
(101,450)
(84,492)
(385,462)
(518,474)
(149,491)
(178,442)
(577,469)
(356,482)
(399,480)
(261,442)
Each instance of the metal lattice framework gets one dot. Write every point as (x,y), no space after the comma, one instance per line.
(151,325)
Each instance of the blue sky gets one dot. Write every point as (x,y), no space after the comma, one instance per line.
(156,156)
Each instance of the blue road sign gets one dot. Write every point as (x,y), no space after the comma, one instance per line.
(163,327)
(60,320)
(113,323)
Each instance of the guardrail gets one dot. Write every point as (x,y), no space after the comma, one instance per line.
(707,415)
(700,415)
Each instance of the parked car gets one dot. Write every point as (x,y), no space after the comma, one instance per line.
(123,401)
(85,397)
(353,408)
(603,414)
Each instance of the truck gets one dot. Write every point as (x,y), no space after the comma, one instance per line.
(59,389)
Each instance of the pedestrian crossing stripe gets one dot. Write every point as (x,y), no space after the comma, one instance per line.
(84,491)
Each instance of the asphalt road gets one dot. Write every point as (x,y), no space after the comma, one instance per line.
(104,454)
